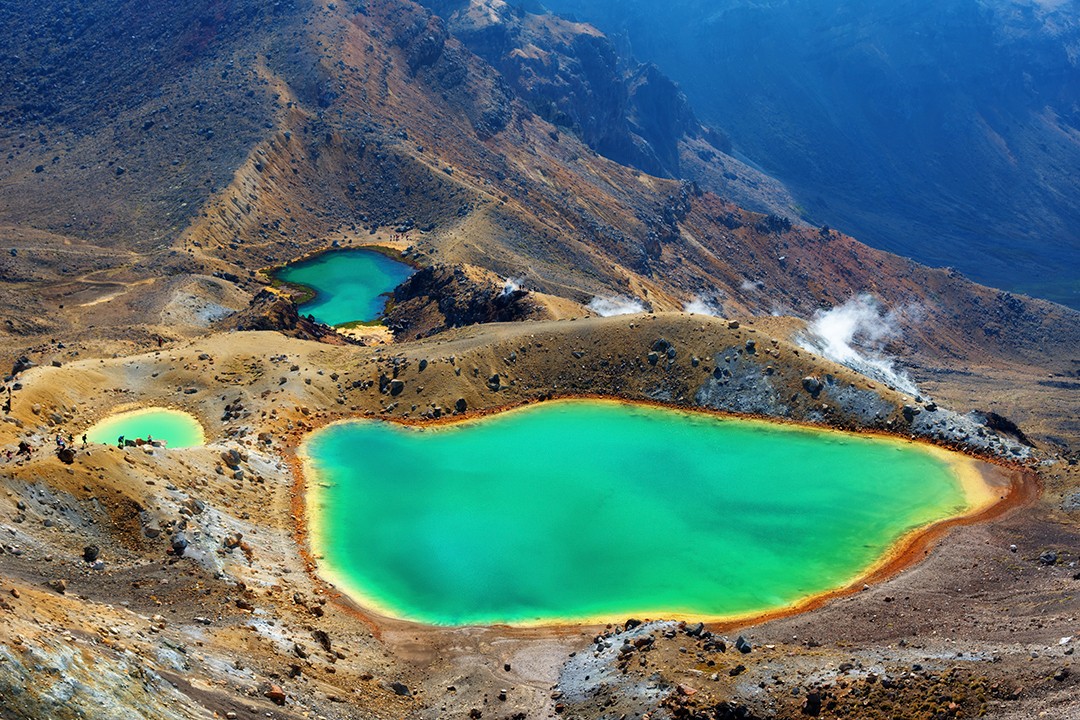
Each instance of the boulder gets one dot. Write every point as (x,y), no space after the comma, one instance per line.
(322,638)
(813,386)
(276,695)
(812,704)
(195,507)
(90,553)
(179,544)
(23,363)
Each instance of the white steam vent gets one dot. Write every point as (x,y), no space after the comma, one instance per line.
(703,306)
(615,305)
(511,285)
(854,334)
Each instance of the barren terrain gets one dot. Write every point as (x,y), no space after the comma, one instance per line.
(140,213)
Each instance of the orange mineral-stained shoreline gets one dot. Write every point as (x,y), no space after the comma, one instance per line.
(993,489)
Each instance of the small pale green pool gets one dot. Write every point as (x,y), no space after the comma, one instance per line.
(177,429)
(593,510)
(349,285)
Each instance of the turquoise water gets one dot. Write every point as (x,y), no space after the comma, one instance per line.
(177,429)
(349,285)
(590,509)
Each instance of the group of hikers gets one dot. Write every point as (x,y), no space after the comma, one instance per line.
(65,444)
(61,443)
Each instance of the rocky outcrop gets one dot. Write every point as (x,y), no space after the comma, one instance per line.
(742,385)
(443,296)
(269,310)
(431,55)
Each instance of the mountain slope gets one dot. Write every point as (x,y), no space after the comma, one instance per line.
(375,121)
(948,131)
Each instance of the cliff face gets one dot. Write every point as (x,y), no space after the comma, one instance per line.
(575,77)
(569,74)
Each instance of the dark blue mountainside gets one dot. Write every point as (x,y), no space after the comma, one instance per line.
(947,130)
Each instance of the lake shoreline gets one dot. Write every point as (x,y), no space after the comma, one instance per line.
(991,490)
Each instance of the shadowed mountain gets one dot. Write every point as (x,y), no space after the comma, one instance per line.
(573,76)
(948,131)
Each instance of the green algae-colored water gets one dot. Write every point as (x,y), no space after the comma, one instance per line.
(585,510)
(177,429)
(349,285)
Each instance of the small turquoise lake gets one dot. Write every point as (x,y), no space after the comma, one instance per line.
(349,285)
(580,510)
(174,428)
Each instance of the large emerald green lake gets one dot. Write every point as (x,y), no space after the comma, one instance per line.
(588,510)
(349,285)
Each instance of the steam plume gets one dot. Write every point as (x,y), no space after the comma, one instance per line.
(511,285)
(616,305)
(703,306)
(854,334)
